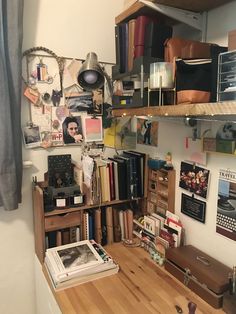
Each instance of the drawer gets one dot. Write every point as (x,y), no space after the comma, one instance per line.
(62,221)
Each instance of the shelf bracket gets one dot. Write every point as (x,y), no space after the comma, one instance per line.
(190,18)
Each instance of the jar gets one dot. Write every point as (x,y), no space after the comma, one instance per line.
(61,200)
(77,199)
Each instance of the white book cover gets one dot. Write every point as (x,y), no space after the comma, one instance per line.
(75,256)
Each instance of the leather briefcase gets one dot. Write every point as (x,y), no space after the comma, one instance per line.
(199,272)
(183,48)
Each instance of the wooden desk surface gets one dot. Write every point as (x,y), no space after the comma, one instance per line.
(140,287)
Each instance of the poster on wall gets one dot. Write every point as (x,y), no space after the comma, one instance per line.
(226,204)
(147,132)
(194,179)
(121,134)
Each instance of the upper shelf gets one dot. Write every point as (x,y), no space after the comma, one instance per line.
(193,5)
(171,11)
(223,109)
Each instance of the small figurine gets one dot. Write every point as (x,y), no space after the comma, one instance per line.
(168,165)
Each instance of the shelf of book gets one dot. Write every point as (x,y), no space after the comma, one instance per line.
(71,224)
(81,208)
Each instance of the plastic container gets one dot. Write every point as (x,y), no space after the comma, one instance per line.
(161,75)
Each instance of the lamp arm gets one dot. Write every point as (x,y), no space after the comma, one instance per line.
(109,82)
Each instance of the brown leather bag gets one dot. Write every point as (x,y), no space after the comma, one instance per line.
(183,48)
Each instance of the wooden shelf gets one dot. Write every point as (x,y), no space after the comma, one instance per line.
(75,209)
(194,5)
(226,108)
(139,8)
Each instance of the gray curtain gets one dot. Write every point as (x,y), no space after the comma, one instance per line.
(11,35)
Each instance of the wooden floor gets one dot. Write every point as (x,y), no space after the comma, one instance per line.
(140,287)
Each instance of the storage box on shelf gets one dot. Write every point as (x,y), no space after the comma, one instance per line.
(161,191)
(227,76)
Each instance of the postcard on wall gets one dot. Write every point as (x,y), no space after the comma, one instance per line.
(193,151)
(147,132)
(92,129)
(226,204)
(31,136)
(194,179)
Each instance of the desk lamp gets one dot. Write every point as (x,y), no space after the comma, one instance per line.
(92,75)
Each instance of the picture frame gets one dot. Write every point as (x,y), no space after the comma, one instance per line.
(193,207)
(93,131)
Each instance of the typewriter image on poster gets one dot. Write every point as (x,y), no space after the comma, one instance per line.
(226,204)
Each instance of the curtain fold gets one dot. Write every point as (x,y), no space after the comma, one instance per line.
(11,37)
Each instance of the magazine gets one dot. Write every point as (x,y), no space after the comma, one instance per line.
(72,257)
(92,262)
(77,280)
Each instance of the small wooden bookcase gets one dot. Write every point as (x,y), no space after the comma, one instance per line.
(58,219)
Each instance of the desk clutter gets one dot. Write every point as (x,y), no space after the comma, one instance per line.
(175,70)
(77,263)
(158,233)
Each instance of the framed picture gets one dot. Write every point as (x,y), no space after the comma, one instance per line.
(31,136)
(92,129)
(193,208)
(194,179)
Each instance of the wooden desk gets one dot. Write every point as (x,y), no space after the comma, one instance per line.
(140,287)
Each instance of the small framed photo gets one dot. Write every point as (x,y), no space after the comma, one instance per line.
(31,136)
(92,129)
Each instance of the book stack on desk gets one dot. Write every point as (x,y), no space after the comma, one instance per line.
(77,263)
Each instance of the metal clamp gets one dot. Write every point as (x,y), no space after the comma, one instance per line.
(187,276)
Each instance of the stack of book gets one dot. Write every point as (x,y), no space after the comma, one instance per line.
(77,263)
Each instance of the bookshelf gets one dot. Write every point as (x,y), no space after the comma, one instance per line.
(161,191)
(60,219)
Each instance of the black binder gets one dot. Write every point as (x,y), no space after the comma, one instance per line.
(155,36)
(131,176)
(121,177)
(138,159)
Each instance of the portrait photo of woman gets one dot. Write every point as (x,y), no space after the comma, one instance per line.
(72,130)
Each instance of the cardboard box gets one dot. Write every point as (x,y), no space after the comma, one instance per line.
(232,40)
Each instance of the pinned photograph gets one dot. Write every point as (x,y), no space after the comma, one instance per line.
(147,132)
(93,129)
(31,136)
(72,130)
(81,102)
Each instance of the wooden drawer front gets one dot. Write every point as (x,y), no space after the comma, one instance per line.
(62,221)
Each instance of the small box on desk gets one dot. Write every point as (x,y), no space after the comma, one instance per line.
(155,164)
(209,144)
